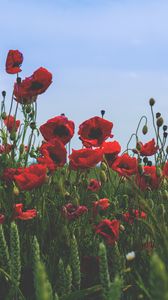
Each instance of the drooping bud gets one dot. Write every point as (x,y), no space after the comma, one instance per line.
(19,80)
(145,129)
(15,190)
(3,94)
(165,127)
(165,134)
(3,115)
(158,172)
(138,146)
(21,148)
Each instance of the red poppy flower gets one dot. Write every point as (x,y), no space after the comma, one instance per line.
(59,127)
(148,149)
(148,179)
(165,169)
(53,154)
(5,148)
(26,215)
(85,158)
(28,90)
(125,165)
(14,61)
(71,212)
(129,217)
(95,131)
(109,230)
(111,151)
(94,185)
(9,173)
(2,219)
(103,204)
(31,178)
(11,123)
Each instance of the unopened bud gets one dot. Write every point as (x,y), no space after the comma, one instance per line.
(21,148)
(15,191)
(103,177)
(13,135)
(138,146)
(67,196)
(167,149)
(103,166)
(159,122)
(145,129)
(151,101)
(161,210)
(4,94)
(164,127)
(3,115)
(145,160)
(28,109)
(165,134)
(102,113)
(158,114)
(33,125)
(19,79)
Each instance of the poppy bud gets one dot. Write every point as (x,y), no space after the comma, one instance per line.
(76,201)
(103,177)
(21,148)
(138,146)
(159,122)
(94,197)
(13,135)
(158,172)
(165,135)
(158,114)
(150,203)
(140,169)
(15,191)
(145,160)
(3,115)
(145,129)
(4,94)
(19,80)
(151,101)
(28,109)
(33,125)
(164,127)
(103,166)
(167,149)
(149,163)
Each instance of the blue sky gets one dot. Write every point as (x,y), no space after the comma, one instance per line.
(103,54)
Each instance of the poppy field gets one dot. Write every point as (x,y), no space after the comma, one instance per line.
(88,223)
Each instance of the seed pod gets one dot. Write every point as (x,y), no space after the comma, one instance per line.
(151,101)
(103,166)
(13,135)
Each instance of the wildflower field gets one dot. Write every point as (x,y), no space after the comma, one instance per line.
(79,224)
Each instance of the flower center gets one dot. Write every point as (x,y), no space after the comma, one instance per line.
(95,133)
(54,157)
(36,85)
(61,131)
(124,166)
